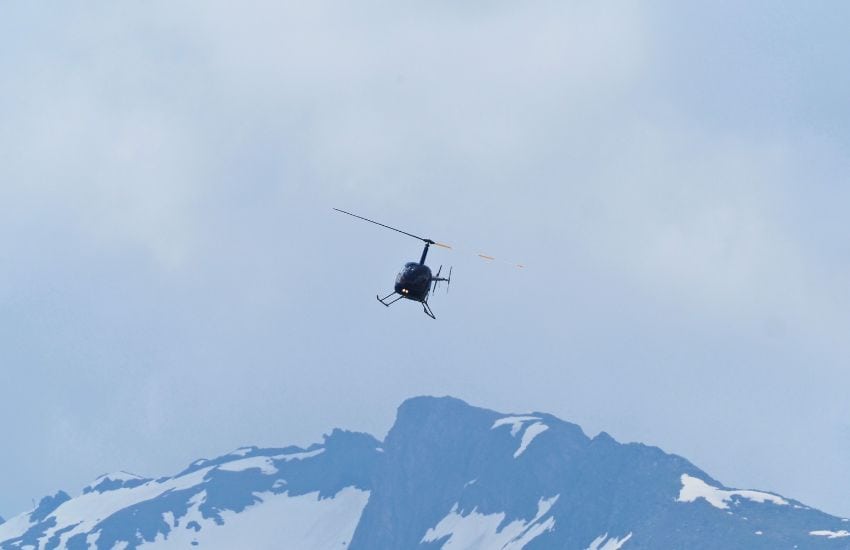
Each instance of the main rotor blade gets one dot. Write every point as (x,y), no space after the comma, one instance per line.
(387,226)
(490,259)
(481,255)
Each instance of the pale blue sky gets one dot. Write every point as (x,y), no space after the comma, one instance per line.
(174,283)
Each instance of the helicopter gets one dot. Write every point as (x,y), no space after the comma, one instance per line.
(415,281)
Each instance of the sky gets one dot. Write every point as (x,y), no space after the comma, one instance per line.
(174,283)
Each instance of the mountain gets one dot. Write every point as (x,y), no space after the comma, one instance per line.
(448,476)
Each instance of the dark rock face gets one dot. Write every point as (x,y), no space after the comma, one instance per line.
(448,476)
(443,455)
(48,504)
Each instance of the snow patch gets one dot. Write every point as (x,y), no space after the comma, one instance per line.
(300,455)
(476,531)
(602,542)
(544,505)
(515,422)
(15,526)
(282,521)
(830,534)
(263,463)
(198,499)
(168,518)
(521,424)
(120,475)
(85,511)
(109,481)
(528,436)
(242,451)
(694,488)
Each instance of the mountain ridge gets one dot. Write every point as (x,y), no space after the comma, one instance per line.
(447,475)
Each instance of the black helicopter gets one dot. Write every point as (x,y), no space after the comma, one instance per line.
(415,281)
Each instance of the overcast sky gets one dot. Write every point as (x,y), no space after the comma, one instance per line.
(174,283)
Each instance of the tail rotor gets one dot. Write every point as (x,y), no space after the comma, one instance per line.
(437,279)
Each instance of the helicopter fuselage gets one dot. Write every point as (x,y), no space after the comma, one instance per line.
(414,281)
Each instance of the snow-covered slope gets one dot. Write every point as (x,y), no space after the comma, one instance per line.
(250,498)
(449,476)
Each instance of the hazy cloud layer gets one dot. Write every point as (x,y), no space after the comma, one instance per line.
(175,284)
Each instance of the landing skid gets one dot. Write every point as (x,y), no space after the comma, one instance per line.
(384,299)
(427,310)
(425,307)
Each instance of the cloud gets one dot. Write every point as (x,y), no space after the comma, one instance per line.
(167,174)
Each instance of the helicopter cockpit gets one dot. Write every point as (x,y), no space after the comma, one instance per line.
(413,281)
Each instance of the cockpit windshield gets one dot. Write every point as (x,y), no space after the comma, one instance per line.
(413,273)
